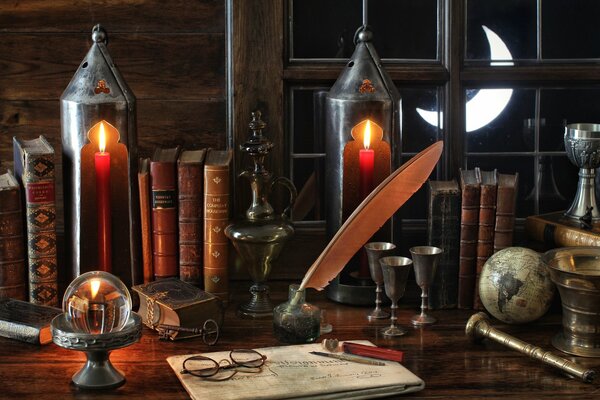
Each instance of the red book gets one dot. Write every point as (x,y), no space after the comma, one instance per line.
(487,220)
(163,174)
(470,184)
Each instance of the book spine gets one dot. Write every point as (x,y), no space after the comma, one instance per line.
(485,236)
(164,219)
(12,245)
(216,218)
(443,231)
(146,228)
(554,235)
(505,217)
(191,225)
(469,220)
(23,333)
(38,181)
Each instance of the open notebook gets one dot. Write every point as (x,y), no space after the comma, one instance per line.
(290,372)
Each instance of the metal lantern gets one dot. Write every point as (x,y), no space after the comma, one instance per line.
(363,99)
(101,223)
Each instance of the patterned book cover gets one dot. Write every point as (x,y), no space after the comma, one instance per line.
(216,218)
(12,243)
(34,164)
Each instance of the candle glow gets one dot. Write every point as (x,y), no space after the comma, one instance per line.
(102,138)
(95,284)
(367,135)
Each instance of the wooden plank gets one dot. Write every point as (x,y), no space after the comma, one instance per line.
(328,73)
(257,79)
(117,16)
(174,66)
(160,122)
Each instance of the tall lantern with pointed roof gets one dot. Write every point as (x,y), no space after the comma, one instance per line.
(98,117)
(362,118)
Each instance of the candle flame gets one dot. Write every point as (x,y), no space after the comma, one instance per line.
(367,135)
(95,284)
(102,138)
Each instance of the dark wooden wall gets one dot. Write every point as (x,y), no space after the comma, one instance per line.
(170,52)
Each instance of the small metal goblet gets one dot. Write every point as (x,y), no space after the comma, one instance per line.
(375,251)
(395,271)
(425,261)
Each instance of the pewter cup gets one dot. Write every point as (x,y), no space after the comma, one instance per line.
(425,261)
(395,271)
(582,144)
(576,273)
(375,251)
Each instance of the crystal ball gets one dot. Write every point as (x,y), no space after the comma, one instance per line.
(97,302)
(515,287)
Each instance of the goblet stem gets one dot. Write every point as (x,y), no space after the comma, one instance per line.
(424,301)
(393,318)
(378,298)
(377,312)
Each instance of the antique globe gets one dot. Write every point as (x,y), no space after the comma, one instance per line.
(97,302)
(515,287)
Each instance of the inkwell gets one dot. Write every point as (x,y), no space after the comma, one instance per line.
(261,235)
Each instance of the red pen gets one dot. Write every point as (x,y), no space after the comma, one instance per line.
(372,351)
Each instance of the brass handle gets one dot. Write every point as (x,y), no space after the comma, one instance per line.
(281,180)
(478,327)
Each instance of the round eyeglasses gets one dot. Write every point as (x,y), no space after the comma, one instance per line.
(240,360)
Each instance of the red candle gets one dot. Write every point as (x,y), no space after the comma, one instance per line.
(102,164)
(366,163)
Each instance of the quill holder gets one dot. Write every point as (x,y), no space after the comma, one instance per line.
(369,216)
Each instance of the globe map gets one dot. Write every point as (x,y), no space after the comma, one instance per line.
(515,286)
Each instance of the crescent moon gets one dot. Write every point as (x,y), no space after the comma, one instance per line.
(487,104)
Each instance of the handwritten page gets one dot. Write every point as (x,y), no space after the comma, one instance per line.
(290,372)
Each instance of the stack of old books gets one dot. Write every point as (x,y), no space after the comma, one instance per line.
(470,222)
(184,202)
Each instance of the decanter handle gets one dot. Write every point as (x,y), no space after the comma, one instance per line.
(281,180)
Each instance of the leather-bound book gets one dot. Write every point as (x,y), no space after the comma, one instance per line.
(146,218)
(190,182)
(34,169)
(163,175)
(487,222)
(470,181)
(506,203)
(216,218)
(26,322)
(556,230)
(443,231)
(13,281)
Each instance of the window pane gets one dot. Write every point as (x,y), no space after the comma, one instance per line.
(524,165)
(404,29)
(420,117)
(497,120)
(514,23)
(557,178)
(307,175)
(559,107)
(307,137)
(570,29)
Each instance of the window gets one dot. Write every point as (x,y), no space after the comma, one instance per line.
(496,79)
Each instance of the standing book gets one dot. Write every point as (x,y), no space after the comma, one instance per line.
(470,183)
(190,178)
(145,218)
(216,218)
(443,231)
(34,168)
(163,174)
(487,221)
(506,202)
(26,322)
(12,243)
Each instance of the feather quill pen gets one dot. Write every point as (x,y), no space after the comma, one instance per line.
(370,215)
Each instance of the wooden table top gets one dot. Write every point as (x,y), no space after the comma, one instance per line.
(441,355)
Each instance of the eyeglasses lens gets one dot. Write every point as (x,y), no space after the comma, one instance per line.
(247,358)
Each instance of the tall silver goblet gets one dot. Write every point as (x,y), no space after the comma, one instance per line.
(375,251)
(395,271)
(582,144)
(425,261)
